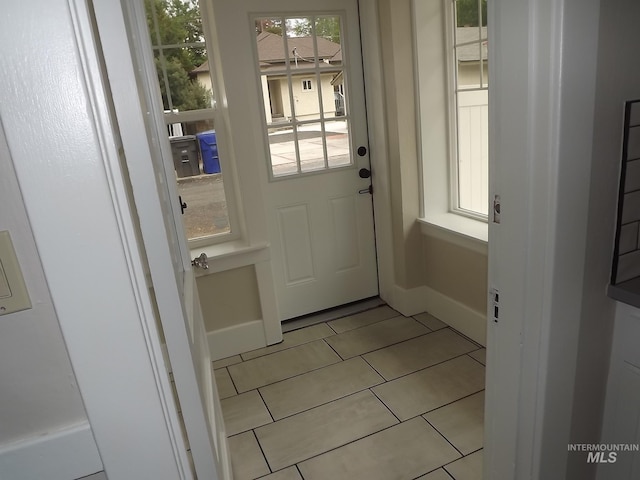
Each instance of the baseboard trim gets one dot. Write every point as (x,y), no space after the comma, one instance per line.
(457,315)
(241,338)
(66,454)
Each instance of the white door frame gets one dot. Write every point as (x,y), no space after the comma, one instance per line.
(378,156)
(543,66)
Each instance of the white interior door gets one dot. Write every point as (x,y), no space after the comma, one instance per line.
(129,64)
(302,69)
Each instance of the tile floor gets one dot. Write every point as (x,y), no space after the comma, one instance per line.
(373,396)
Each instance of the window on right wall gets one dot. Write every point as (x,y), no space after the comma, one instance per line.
(451,65)
(469,96)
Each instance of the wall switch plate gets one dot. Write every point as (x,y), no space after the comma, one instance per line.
(13,291)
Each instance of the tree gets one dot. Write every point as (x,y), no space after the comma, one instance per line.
(178,22)
(271,25)
(326,27)
(467,13)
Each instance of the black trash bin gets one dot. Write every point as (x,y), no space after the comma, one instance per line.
(185,155)
(209,151)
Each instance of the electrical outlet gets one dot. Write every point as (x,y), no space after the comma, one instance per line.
(13,291)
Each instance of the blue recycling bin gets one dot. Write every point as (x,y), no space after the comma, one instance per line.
(209,151)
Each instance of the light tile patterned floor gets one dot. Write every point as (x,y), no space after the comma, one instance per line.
(373,396)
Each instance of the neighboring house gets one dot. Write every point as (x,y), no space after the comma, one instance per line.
(301,87)
(469,56)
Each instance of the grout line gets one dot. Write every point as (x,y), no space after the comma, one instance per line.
(466,354)
(458,459)
(322,404)
(294,376)
(299,471)
(447,404)
(398,314)
(384,380)
(447,473)
(266,406)
(386,406)
(232,383)
(386,346)
(332,329)
(467,338)
(283,350)
(475,451)
(443,436)
(335,351)
(472,358)
(306,342)
(231,364)
(344,445)
(262,451)
(334,314)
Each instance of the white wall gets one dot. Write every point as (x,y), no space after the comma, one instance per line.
(578,332)
(39,394)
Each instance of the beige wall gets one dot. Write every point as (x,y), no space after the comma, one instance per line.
(456,272)
(229,298)
(397,60)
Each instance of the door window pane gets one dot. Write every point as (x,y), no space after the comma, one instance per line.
(303,93)
(312,147)
(282,149)
(337,136)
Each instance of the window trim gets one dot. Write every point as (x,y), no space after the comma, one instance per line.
(236,225)
(435,143)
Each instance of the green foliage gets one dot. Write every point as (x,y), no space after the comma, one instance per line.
(178,22)
(467,13)
(271,25)
(326,27)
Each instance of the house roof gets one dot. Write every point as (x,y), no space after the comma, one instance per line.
(271,52)
(271,48)
(471,53)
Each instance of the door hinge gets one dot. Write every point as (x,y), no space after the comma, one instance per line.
(495,303)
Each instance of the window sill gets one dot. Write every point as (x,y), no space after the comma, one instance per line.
(230,255)
(462,231)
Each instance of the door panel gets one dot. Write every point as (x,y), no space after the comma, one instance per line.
(345,233)
(295,232)
(303,95)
